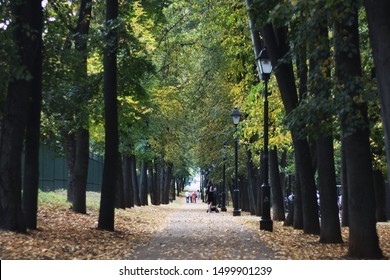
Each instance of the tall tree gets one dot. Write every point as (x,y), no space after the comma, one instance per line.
(363,238)
(378,17)
(74,94)
(107,202)
(320,86)
(31,159)
(276,40)
(27,33)
(82,132)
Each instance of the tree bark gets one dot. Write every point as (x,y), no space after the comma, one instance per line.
(128,190)
(155,185)
(82,133)
(298,210)
(26,15)
(278,213)
(378,17)
(344,198)
(107,202)
(260,183)
(81,171)
(120,191)
(152,183)
(283,174)
(144,183)
(380,196)
(251,185)
(330,222)
(167,183)
(134,181)
(363,238)
(276,41)
(31,163)
(70,155)
(320,86)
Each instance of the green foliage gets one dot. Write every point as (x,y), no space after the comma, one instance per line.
(182,68)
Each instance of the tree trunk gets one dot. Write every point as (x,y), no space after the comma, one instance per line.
(320,86)
(81,171)
(298,210)
(167,183)
(107,202)
(283,174)
(380,196)
(244,200)
(363,238)
(120,191)
(330,222)
(144,183)
(254,31)
(31,163)
(276,42)
(128,190)
(151,184)
(155,186)
(26,15)
(134,181)
(82,133)
(307,187)
(172,194)
(260,183)
(251,182)
(277,194)
(70,155)
(344,182)
(378,17)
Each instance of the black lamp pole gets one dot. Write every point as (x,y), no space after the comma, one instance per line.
(236,191)
(223,205)
(265,68)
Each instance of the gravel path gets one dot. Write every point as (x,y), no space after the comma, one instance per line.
(193,234)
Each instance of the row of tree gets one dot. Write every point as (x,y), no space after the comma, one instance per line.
(67,52)
(170,73)
(326,95)
(331,91)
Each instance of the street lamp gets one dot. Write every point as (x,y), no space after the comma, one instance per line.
(265,68)
(236,192)
(223,198)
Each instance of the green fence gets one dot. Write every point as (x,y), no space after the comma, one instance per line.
(53,173)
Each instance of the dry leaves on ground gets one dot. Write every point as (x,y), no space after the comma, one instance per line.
(294,244)
(63,234)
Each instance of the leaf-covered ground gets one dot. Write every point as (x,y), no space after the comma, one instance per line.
(63,234)
(295,245)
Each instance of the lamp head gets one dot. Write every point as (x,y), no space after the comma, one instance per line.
(236,114)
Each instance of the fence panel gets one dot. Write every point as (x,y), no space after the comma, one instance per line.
(53,173)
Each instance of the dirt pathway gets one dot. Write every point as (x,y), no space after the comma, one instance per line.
(193,234)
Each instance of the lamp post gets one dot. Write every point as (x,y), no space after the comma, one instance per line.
(223,198)
(236,192)
(265,67)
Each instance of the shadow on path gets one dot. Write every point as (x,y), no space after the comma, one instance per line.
(193,234)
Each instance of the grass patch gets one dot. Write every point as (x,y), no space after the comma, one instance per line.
(59,198)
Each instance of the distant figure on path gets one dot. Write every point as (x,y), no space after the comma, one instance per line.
(193,197)
(187,196)
(210,195)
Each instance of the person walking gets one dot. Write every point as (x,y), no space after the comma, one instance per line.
(187,196)
(210,195)
(193,197)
